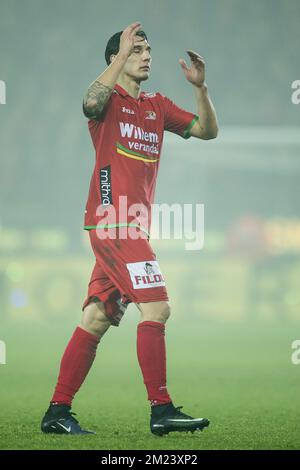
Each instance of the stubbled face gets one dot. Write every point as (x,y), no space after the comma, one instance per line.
(139,62)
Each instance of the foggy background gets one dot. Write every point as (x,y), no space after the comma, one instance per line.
(247,179)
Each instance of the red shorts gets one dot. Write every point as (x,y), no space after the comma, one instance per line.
(125,271)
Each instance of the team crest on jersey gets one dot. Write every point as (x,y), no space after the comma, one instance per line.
(150,115)
(145,274)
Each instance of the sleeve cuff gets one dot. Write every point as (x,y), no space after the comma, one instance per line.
(186,132)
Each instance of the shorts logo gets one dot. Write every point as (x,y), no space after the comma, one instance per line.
(105,186)
(148,268)
(145,274)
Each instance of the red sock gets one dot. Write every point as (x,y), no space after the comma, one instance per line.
(75,364)
(151,352)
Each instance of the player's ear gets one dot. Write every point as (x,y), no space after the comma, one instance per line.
(112,58)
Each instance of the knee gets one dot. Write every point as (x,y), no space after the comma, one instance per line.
(155,311)
(166,312)
(94,319)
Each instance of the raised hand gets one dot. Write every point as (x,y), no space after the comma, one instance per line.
(129,38)
(195,74)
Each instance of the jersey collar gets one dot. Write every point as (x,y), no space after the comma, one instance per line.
(124,93)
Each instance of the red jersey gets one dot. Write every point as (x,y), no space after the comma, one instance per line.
(128,141)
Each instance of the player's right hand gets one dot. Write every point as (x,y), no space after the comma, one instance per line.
(128,39)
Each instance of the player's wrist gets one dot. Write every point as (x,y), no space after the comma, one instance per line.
(201,86)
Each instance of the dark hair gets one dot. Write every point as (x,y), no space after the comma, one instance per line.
(113,45)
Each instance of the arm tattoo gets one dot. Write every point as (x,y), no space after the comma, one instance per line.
(95,99)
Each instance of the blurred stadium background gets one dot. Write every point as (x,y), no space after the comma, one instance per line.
(246,279)
(249,268)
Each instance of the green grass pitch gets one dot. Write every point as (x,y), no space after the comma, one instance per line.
(240,376)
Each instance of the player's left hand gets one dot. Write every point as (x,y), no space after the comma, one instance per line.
(195,74)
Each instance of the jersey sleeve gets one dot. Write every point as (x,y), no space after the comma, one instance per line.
(96,124)
(177,120)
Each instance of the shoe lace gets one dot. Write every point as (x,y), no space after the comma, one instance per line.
(70,415)
(180,414)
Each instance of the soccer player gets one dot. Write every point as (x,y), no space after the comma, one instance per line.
(126,127)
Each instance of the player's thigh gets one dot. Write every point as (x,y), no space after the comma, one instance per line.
(103,289)
(94,319)
(155,311)
(132,267)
